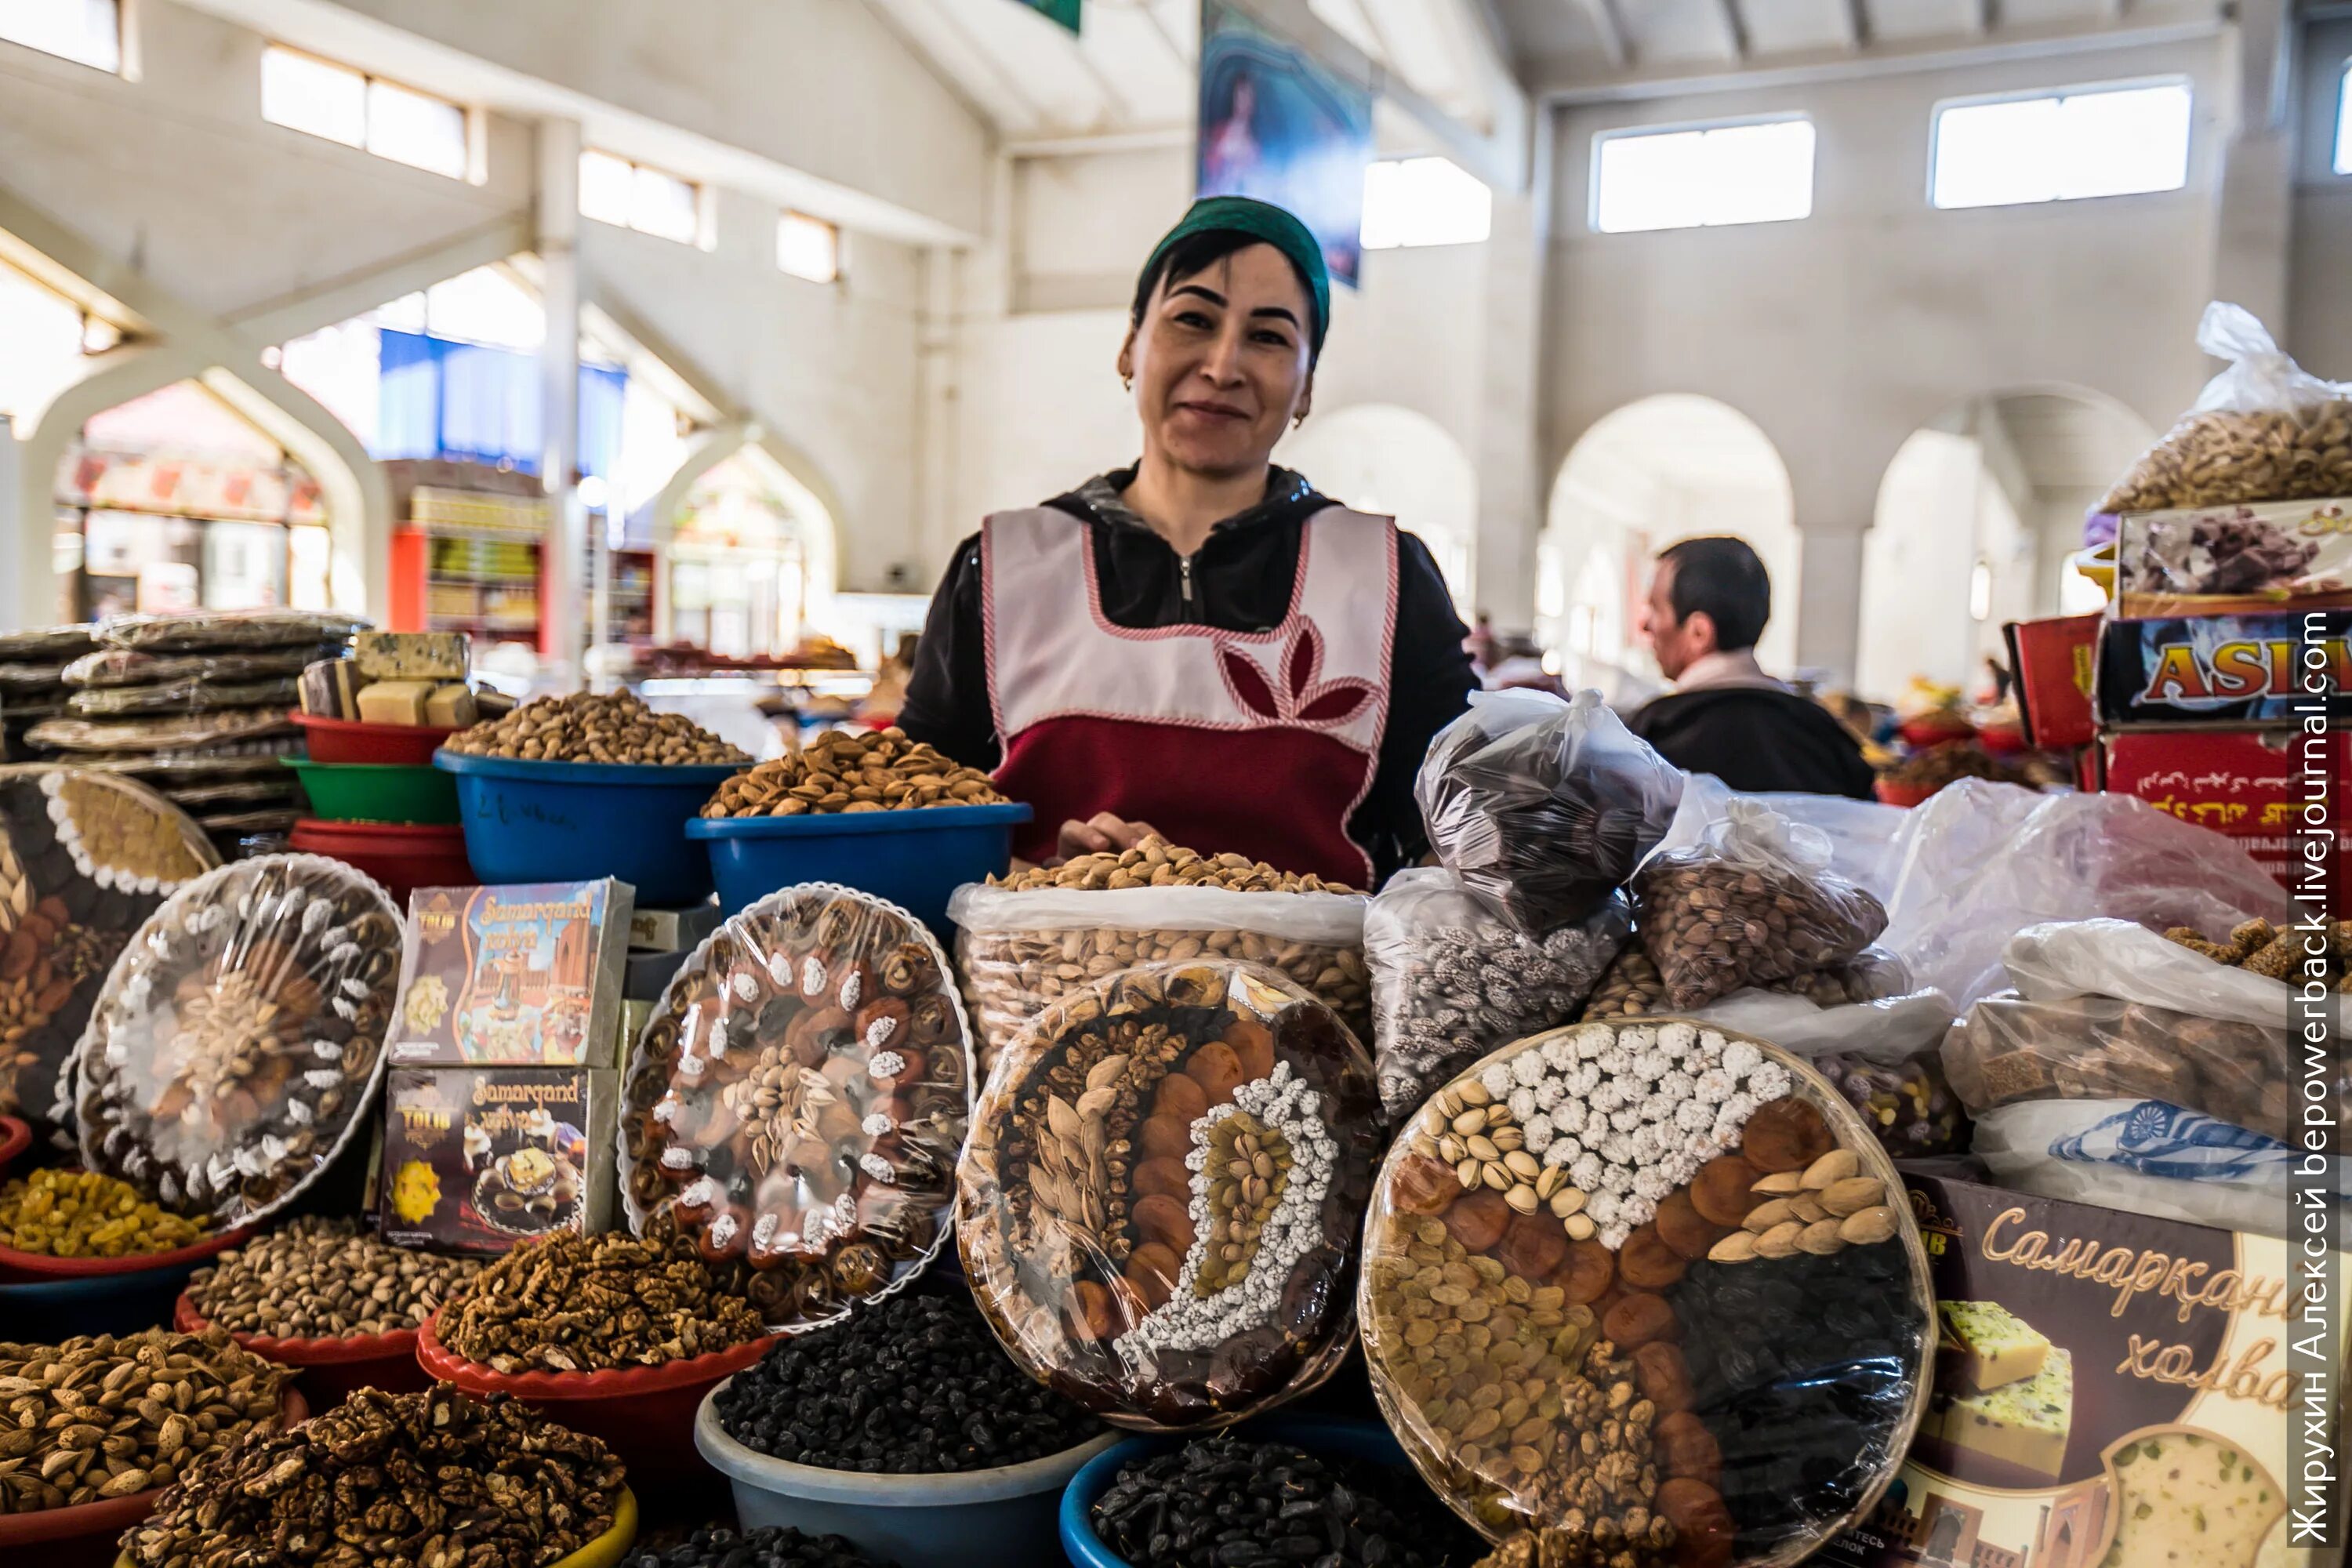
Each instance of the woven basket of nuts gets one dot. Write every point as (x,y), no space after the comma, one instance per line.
(1160,1201)
(239,1041)
(1024,941)
(1652,1283)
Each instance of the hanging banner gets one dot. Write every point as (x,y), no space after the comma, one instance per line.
(1279,124)
(1066,12)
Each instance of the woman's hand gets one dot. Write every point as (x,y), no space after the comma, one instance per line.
(1101,833)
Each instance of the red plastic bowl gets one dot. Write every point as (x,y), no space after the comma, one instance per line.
(349,740)
(646,1415)
(400,855)
(1931,729)
(2002,740)
(88,1532)
(330,1368)
(16,1266)
(15,1137)
(1891,794)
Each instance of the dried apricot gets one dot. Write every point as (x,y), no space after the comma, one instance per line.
(1165,1174)
(1532,1247)
(1166,1220)
(1478,1220)
(1719,1190)
(1664,1376)
(1704,1530)
(1647,1263)
(1252,1042)
(1424,1185)
(1683,1228)
(1587,1272)
(1181,1097)
(1685,1446)
(1785,1135)
(1639,1319)
(1087,1312)
(1217,1069)
(1167,1135)
(1152,1269)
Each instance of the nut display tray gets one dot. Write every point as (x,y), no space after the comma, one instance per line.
(1653,1283)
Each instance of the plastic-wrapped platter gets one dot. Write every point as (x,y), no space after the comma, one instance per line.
(1159,1204)
(237,1043)
(1653,1285)
(84,859)
(797,1100)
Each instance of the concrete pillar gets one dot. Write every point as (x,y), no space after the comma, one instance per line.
(1828,602)
(937,471)
(557,229)
(1512,483)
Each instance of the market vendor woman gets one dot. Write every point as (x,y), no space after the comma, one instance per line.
(1202,643)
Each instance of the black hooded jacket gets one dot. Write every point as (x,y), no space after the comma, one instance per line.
(1239,580)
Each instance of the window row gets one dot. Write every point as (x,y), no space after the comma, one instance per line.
(2124,139)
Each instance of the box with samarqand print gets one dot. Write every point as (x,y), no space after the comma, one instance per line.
(526,975)
(477,1159)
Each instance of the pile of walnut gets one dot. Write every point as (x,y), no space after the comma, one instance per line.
(582,728)
(584,1303)
(1156,863)
(845,772)
(2278,953)
(433,1479)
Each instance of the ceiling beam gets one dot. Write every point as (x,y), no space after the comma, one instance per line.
(1614,45)
(1735,27)
(1879,58)
(1856,17)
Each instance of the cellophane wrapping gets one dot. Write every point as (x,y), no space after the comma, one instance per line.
(1161,1203)
(797,1100)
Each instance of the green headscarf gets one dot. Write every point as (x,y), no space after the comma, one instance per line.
(1260,221)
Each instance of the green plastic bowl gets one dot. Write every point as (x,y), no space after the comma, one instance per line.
(378,792)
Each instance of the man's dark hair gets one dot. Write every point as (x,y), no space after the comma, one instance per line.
(1195,254)
(1723,576)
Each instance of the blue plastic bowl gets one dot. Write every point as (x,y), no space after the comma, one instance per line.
(571,822)
(914,859)
(1366,1440)
(43,1311)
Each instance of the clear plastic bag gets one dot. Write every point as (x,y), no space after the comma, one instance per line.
(1541,807)
(1753,902)
(189,694)
(43,644)
(1022,952)
(1879,1051)
(1451,981)
(1160,1206)
(1862,833)
(1636,1335)
(797,1100)
(2115,958)
(1980,862)
(239,1043)
(204,630)
(173,733)
(110,666)
(2264,429)
(2142,1155)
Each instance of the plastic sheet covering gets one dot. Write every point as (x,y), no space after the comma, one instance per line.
(798,1098)
(238,1042)
(1980,862)
(209,629)
(1723,1382)
(162,732)
(1862,833)
(1451,981)
(1882,1055)
(110,666)
(1022,952)
(1754,901)
(2115,958)
(1541,807)
(1160,1204)
(189,694)
(2264,429)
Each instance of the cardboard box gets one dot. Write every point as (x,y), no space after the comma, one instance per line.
(2055,661)
(672,931)
(2245,783)
(2222,670)
(476,1159)
(528,976)
(2086,1351)
(2220,560)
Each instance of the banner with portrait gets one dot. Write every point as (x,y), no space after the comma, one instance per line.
(1280,125)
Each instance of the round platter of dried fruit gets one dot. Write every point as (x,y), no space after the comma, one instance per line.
(85,856)
(238,1042)
(797,1100)
(1160,1205)
(1653,1285)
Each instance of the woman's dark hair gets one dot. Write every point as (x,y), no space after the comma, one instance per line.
(1725,577)
(1195,254)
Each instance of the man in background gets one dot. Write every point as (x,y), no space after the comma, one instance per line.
(1709,600)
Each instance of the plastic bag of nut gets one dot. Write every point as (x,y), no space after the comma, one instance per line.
(239,1043)
(2264,429)
(798,1098)
(1160,1206)
(1021,950)
(1753,902)
(1451,981)
(1543,807)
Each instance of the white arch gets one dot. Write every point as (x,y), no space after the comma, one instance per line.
(1658,469)
(1395,461)
(794,475)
